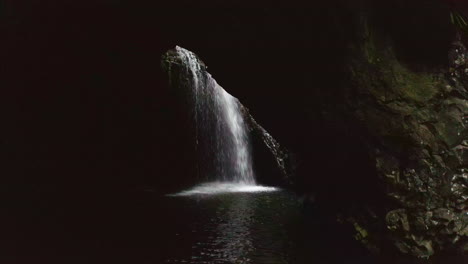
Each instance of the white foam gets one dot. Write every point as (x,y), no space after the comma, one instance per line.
(213,188)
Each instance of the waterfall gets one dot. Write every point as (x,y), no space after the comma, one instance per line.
(222,137)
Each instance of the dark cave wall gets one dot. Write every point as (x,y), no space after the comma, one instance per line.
(411,103)
(85,92)
(87,109)
(394,121)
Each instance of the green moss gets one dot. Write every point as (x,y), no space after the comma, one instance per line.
(369,46)
(385,77)
(419,87)
(361,234)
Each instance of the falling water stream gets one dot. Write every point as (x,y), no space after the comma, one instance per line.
(222,137)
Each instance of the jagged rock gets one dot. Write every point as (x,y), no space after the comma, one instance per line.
(283,158)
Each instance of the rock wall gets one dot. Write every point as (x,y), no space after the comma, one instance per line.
(414,118)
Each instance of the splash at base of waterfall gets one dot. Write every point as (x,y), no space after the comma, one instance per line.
(213,188)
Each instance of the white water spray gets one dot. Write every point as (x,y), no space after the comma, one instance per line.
(220,126)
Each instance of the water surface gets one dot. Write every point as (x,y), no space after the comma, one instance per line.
(250,224)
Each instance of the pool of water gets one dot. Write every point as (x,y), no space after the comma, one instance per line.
(235,226)
(230,223)
(211,223)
